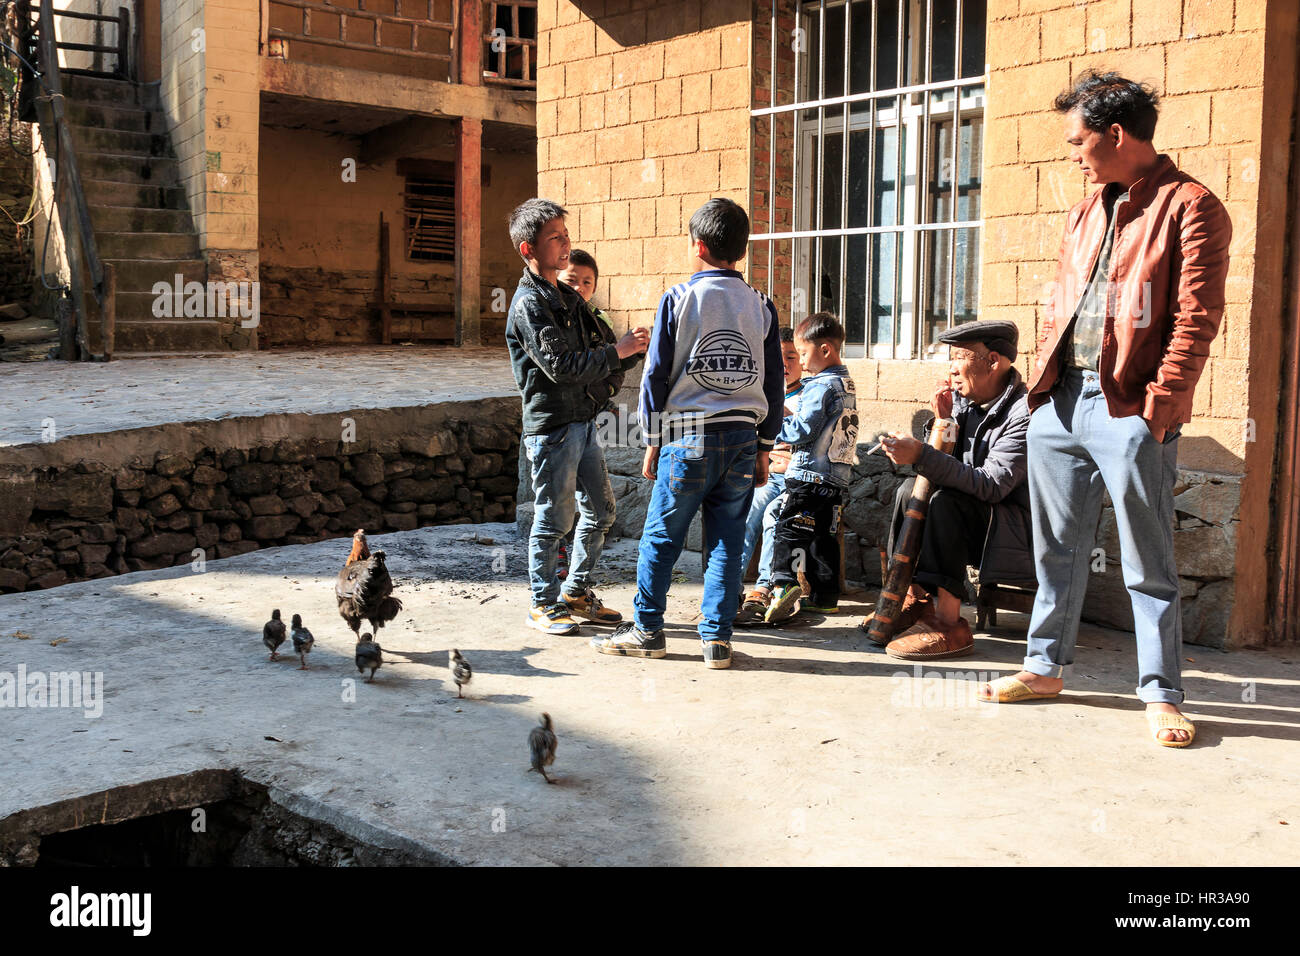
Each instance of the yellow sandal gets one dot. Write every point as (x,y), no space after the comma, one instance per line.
(1008,690)
(1158,720)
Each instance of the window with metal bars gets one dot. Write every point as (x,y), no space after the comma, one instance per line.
(430,213)
(880,105)
(510,56)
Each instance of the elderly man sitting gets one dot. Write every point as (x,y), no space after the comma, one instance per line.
(979,509)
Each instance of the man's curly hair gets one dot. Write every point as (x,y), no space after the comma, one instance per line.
(1106,98)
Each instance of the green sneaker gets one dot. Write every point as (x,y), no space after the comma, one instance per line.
(785,603)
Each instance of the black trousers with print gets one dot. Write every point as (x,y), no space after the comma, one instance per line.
(805,540)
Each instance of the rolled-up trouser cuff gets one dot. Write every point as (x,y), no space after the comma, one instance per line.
(1160,695)
(1045,669)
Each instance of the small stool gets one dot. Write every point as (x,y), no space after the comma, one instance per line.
(1008,597)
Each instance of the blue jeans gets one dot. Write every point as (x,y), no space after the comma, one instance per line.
(1077,451)
(759,527)
(568,469)
(713,471)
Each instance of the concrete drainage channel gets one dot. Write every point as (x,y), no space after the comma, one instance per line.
(206,818)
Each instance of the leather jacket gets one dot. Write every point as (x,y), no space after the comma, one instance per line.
(1168,268)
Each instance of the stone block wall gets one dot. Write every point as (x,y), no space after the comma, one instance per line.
(93,519)
(15,196)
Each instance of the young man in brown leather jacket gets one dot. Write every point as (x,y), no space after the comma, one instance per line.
(1137,302)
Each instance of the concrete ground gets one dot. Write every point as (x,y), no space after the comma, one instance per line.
(81,398)
(813,749)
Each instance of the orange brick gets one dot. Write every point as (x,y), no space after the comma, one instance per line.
(734,172)
(671,136)
(568,116)
(727,129)
(1250,16)
(616,220)
(636,180)
(575,42)
(1060,187)
(1009,181)
(690,173)
(1063,33)
(593,111)
(592,222)
(1231,387)
(663,252)
(641,217)
(668,97)
(730,88)
(591,184)
(668,216)
(620,32)
(545,119)
(693,54)
(1243,173)
(735,46)
(1108,25)
(618,107)
(618,144)
(1000,142)
(643,103)
(1156,21)
(589,76)
(998,284)
(1235,116)
(1202,18)
(1215,63)
(1026,89)
(1013,42)
(639,66)
(1184,121)
(620,256)
(695,96)
(1042,138)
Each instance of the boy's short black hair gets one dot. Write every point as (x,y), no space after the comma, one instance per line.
(787,334)
(1106,98)
(530,216)
(723,226)
(580,257)
(821,327)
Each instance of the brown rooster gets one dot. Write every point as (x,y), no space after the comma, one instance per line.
(364,589)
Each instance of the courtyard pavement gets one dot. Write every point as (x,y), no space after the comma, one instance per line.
(815,748)
(79,398)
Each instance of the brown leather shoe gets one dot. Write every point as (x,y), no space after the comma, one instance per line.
(930,640)
(913,610)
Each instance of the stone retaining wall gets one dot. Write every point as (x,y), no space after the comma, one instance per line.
(94,516)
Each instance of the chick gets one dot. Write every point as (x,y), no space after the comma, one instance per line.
(302,640)
(369,654)
(541,744)
(461,672)
(273,633)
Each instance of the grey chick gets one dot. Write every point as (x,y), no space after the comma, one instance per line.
(273,632)
(302,640)
(461,672)
(369,654)
(541,744)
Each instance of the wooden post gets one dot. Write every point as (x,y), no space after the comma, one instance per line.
(469,42)
(385,285)
(108,312)
(469,228)
(123,43)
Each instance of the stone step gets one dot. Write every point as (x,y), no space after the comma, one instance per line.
(110,92)
(163,335)
(134,119)
(140,275)
(145,306)
(134,219)
(147,245)
(129,168)
(107,192)
(94,139)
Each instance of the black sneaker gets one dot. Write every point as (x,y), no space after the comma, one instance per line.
(628,640)
(717,654)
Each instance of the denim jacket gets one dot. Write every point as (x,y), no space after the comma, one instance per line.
(824,430)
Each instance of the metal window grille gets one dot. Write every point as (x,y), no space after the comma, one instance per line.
(884,123)
(430,213)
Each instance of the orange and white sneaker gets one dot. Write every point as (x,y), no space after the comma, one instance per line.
(552,619)
(589,608)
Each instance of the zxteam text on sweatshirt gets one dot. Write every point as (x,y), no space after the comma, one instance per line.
(714,361)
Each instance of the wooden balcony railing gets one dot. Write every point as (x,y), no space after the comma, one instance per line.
(414,30)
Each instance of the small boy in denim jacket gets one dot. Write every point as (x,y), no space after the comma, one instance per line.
(824,435)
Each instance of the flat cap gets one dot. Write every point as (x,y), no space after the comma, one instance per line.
(997,336)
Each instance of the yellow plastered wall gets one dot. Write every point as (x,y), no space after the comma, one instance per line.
(231,123)
(182,93)
(642,116)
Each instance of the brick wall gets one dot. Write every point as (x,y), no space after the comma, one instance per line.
(642,116)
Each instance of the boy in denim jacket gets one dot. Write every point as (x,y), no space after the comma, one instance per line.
(824,435)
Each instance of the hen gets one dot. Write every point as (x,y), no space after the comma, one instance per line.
(461,672)
(369,655)
(302,640)
(273,633)
(364,589)
(541,746)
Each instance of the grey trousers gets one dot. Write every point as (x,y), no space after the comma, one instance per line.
(1077,450)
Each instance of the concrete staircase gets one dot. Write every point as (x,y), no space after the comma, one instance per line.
(140,212)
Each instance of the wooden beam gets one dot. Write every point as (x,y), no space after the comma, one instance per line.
(413,136)
(403,94)
(469,229)
(469,42)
